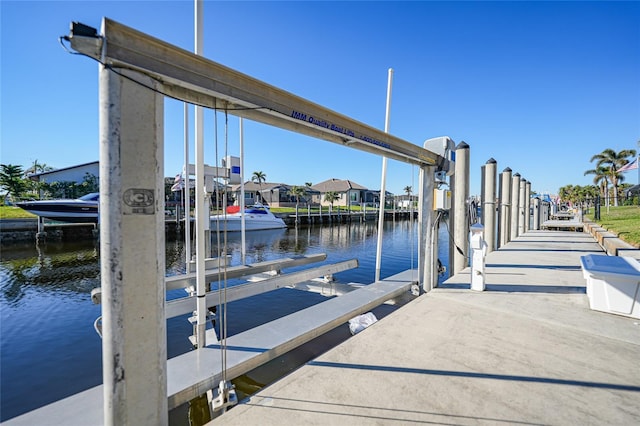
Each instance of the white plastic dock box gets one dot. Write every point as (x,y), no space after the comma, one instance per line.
(613,284)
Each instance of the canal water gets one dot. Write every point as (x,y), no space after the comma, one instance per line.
(49,348)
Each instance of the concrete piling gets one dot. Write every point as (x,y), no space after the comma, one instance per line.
(459,220)
(515,200)
(489,204)
(504,211)
(521,202)
(527,206)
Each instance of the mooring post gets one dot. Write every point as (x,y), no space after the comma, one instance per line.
(41,234)
(515,200)
(132,245)
(521,194)
(426,250)
(536,213)
(504,215)
(478,253)
(458,221)
(527,206)
(489,204)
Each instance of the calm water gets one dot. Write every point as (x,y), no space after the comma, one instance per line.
(49,349)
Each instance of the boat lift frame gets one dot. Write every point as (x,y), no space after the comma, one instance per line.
(136,72)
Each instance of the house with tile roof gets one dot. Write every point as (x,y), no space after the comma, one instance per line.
(273,194)
(349,192)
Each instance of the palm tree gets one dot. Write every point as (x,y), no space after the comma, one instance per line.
(408,190)
(297,191)
(331,197)
(601,180)
(259,177)
(613,161)
(37,168)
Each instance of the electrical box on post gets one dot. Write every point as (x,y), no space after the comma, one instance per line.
(444,147)
(441,199)
(233,164)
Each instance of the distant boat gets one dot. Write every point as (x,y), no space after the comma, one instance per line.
(256,217)
(80,210)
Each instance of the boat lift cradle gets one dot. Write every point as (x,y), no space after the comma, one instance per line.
(137,70)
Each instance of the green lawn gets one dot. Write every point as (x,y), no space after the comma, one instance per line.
(11,212)
(623,220)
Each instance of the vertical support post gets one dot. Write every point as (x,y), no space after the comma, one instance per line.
(202,201)
(458,220)
(527,206)
(536,213)
(504,218)
(187,188)
(132,264)
(489,204)
(41,235)
(243,234)
(515,200)
(521,203)
(383,190)
(426,269)
(482,194)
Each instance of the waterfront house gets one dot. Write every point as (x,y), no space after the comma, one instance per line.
(349,192)
(74,174)
(273,194)
(67,182)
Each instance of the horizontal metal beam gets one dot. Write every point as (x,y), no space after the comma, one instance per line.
(189,279)
(185,305)
(195,79)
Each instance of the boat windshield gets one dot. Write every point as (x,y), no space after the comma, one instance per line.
(256,210)
(94,196)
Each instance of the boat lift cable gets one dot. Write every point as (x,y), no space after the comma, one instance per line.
(219,252)
(223,331)
(226,395)
(411,224)
(472,218)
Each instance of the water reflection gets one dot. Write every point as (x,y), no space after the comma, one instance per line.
(57,267)
(48,343)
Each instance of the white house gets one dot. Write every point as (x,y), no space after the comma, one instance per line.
(68,174)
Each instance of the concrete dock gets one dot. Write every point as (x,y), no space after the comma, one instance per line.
(528,350)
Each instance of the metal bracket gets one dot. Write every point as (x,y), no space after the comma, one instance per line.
(223,397)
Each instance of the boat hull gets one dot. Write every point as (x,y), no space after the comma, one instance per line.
(233,223)
(62,210)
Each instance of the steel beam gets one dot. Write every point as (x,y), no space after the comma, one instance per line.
(191,78)
(187,304)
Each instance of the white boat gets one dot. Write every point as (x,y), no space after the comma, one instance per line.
(256,217)
(80,210)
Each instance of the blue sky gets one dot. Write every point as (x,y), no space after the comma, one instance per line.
(538,86)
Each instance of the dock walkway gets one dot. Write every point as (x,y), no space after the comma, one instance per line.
(526,351)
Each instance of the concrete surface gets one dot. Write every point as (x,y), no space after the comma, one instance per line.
(526,351)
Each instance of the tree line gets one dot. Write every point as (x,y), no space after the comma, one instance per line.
(607,178)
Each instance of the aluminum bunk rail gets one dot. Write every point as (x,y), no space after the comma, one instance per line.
(191,78)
